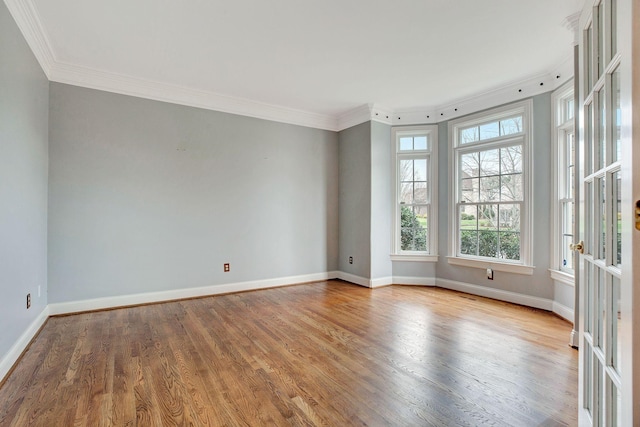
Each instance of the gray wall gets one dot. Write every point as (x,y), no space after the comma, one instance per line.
(355,200)
(24,92)
(148,196)
(540,284)
(381,202)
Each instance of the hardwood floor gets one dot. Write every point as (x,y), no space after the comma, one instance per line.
(326,353)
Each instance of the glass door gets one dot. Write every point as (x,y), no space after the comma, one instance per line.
(600,247)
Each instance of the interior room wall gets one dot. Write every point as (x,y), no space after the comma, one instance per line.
(355,200)
(540,283)
(381,267)
(146,196)
(24,91)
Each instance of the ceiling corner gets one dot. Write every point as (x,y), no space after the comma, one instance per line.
(25,15)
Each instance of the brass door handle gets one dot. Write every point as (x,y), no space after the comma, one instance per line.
(577,246)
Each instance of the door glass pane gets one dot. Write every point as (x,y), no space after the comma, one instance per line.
(617,216)
(616,354)
(599,305)
(588,218)
(588,376)
(614,27)
(598,393)
(601,39)
(602,131)
(588,64)
(589,298)
(588,152)
(602,214)
(616,116)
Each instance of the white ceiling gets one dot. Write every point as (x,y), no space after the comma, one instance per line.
(320,58)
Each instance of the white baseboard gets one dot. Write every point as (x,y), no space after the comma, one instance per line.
(483,291)
(381,281)
(352,278)
(563,311)
(418,281)
(152,297)
(7,362)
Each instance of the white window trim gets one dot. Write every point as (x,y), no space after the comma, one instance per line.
(396,253)
(524,266)
(557,98)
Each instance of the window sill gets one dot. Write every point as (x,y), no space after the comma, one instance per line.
(562,277)
(414,258)
(526,270)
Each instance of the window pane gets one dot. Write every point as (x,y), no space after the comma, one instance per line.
(487,217)
(420,170)
(420,192)
(490,189)
(510,218)
(470,190)
(489,130)
(469,217)
(511,189)
(511,126)
(509,245)
(588,218)
(406,193)
(420,143)
(511,159)
(420,236)
(569,106)
(470,165)
(413,228)
(406,170)
(489,162)
(488,243)
(469,135)
(567,236)
(406,143)
(469,242)
(570,164)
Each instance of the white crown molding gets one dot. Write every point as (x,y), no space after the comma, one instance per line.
(128,85)
(28,21)
(571,24)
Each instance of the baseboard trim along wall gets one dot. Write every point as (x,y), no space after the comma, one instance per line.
(177,294)
(7,362)
(508,296)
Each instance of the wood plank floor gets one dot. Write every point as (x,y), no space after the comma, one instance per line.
(325,353)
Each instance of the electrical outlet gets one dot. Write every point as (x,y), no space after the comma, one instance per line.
(489,274)
(226,268)
(350,260)
(28,300)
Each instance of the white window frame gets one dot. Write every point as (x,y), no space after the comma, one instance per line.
(562,125)
(524,108)
(431,154)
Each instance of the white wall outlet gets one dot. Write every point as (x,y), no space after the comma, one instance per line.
(489,274)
